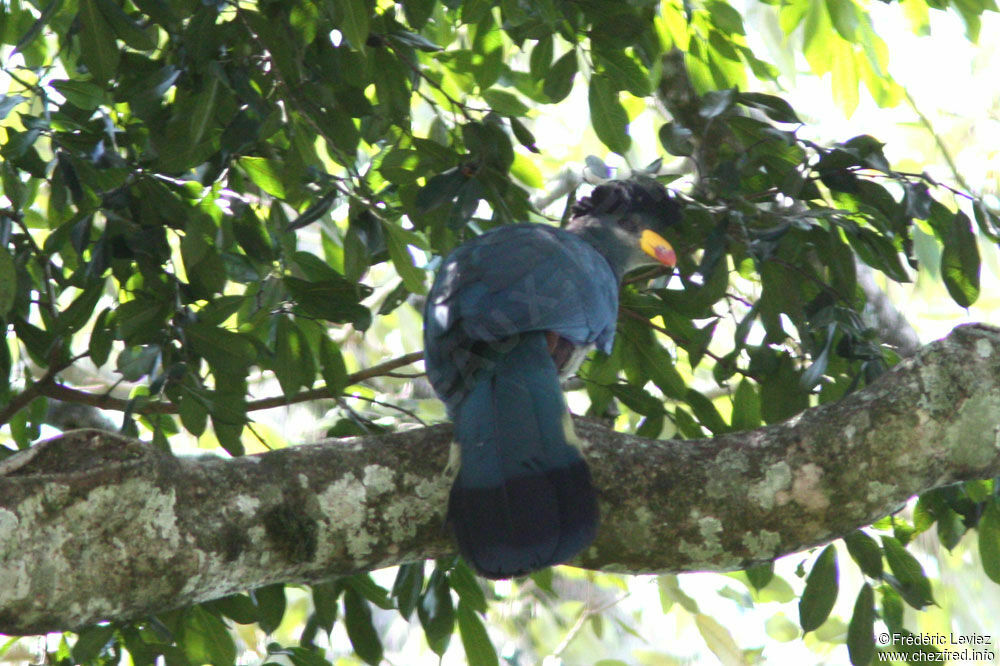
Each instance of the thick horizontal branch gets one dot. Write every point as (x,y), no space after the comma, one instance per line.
(95,526)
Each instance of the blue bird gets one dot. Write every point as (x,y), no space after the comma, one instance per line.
(510,313)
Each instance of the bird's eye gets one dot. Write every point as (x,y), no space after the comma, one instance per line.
(629,224)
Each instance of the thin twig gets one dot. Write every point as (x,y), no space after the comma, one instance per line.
(585,615)
(105,401)
(35,390)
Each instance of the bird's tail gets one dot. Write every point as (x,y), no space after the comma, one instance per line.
(523,499)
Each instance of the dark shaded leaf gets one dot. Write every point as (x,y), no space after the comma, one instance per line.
(861,629)
(469,590)
(335,300)
(90,642)
(479,650)
(293,359)
(960,262)
(989,540)
(270,601)
(437,613)
(746,407)
(774,107)
(407,586)
(366,586)
(237,607)
(325,606)
(624,72)
(908,576)
(607,115)
(354,21)
(206,639)
(866,552)
(540,60)
(332,365)
(820,592)
(98,48)
(559,79)
(760,575)
(676,139)
(8,282)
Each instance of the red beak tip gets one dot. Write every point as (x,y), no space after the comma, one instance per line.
(666,256)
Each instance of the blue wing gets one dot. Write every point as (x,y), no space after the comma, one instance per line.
(514,279)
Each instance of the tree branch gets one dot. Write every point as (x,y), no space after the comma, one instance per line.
(95,527)
(65,393)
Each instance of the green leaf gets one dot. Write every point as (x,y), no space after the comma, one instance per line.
(414,40)
(760,575)
(746,407)
(366,586)
(909,579)
(866,552)
(820,592)
(397,241)
(718,639)
(391,85)
(624,72)
(540,60)
(239,608)
(960,262)
(101,338)
(98,48)
(479,650)
(707,414)
(469,590)
(637,399)
(989,540)
(84,94)
(206,639)
(335,300)
(774,107)
(226,352)
(523,135)
(126,28)
(716,103)
(440,189)
(293,360)
(407,586)
(354,21)
(78,312)
(844,14)
(265,174)
(270,601)
(559,79)
(417,12)
(676,139)
(607,115)
(8,282)
(332,365)
(8,102)
(861,629)
(90,642)
(505,103)
(437,613)
(814,373)
(781,393)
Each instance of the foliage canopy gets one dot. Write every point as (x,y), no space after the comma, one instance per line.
(198,193)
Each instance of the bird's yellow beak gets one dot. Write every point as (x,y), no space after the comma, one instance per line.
(658,248)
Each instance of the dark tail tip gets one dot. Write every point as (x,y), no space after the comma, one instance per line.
(525,524)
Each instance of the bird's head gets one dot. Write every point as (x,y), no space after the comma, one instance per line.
(626,220)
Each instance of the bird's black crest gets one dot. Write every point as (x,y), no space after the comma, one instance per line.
(635,195)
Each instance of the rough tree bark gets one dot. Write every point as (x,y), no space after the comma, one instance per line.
(97,527)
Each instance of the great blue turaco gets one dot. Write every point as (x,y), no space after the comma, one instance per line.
(510,313)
